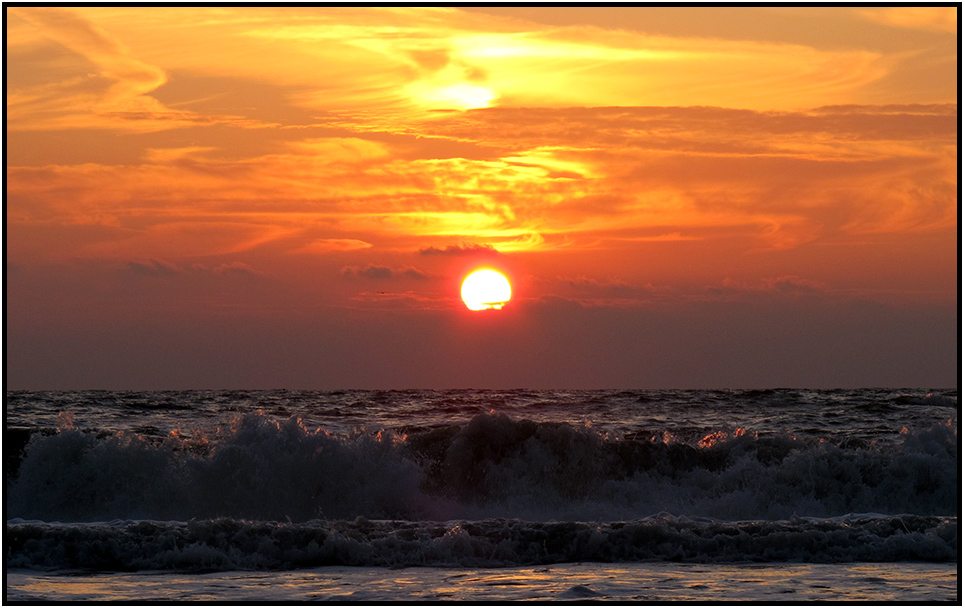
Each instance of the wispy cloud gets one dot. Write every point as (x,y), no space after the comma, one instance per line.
(639,174)
(931,18)
(153,268)
(325,246)
(383,273)
(468,249)
(163,268)
(382,67)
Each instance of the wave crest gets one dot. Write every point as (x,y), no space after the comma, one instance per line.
(491,466)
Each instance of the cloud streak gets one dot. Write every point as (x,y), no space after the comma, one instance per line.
(929,18)
(634,174)
(384,67)
(382,273)
(162,268)
(469,249)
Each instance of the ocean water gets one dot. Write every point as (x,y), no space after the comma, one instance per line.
(774,495)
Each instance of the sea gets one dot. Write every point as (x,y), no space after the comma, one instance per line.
(774,496)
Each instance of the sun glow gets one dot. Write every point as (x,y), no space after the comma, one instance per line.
(486,289)
(461,96)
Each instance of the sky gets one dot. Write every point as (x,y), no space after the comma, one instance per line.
(681,197)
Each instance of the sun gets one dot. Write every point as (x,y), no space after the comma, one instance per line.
(486,289)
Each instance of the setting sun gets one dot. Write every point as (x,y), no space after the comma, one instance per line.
(486,289)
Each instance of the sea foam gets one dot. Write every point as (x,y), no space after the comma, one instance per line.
(228,544)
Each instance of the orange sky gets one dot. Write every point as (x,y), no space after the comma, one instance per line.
(192,187)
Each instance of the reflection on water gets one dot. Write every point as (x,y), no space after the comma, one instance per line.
(891,582)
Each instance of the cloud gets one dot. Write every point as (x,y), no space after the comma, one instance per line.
(466,249)
(168,155)
(675,236)
(386,69)
(551,132)
(550,304)
(325,246)
(929,18)
(369,272)
(116,96)
(574,66)
(416,274)
(342,149)
(609,293)
(599,292)
(792,284)
(590,149)
(779,180)
(401,301)
(552,176)
(153,268)
(384,273)
(768,288)
(163,268)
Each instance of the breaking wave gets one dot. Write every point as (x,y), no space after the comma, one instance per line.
(490,467)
